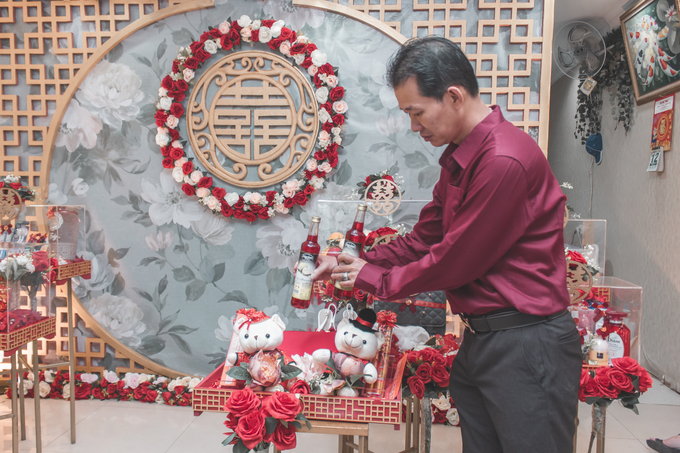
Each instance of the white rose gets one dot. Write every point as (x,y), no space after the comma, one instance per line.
(66,393)
(195,176)
(293,184)
(110,376)
(332,81)
(131,380)
(45,389)
(340,107)
(89,378)
(324,136)
(186,380)
(231,198)
(181,161)
(172,121)
(337,140)
(276,28)
(301,39)
(324,116)
(316,182)
(174,383)
(312,70)
(177,144)
(188,74)
(49,376)
(30,267)
(284,48)
(246,33)
(224,27)
(265,35)
(334,131)
(202,192)
(244,21)
(322,95)
(210,46)
(160,380)
(452,416)
(299,58)
(325,167)
(279,207)
(288,192)
(212,202)
(256,24)
(319,58)
(255,198)
(165,103)
(28,385)
(442,403)
(311,164)
(143,377)
(162,92)
(159,398)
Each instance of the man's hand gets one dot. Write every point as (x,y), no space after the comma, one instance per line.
(324,266)
(350,265)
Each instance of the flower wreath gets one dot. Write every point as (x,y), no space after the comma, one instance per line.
(332,114)
(14,182)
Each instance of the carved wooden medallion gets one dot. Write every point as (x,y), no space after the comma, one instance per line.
(10,203)
(383,197)
(579,281)
(252,119)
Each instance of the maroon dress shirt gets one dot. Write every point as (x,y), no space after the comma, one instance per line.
(492,235)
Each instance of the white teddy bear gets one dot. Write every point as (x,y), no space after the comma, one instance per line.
(357,343)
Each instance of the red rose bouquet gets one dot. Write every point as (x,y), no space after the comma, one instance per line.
(427,372)
(257,422)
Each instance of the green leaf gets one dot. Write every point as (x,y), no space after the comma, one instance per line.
(121,200)
(181,343)
(151,345)
(256,264)
(162,284)
(354,378)
(298,425)
(182,37)
(207,269)
(376,147)
(160,51)
(284,423)
(148,260)
(302,417)
(374,103)
(168,321)
(228,440)
(348,139)
(238,296)
(115,53)
(277,279)
(142,59)
(118,285)
(183,274)
(182,329)
(146,114)
(344,173)
(428,176)
(270,424)
(195,290)
(416,160)
(238,373)
(144,294)
(219,272)
(95,242)
(240,447)
(120,253)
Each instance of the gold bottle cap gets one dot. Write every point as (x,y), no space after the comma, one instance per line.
(316,219)
(362,207)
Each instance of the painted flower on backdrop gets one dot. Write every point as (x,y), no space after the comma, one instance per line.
(120,316)
(212,229)
(80,187)
(159,241)
(55,195)
(226,328)
(390,125)
(112,91)
(280,241)
(102,273)
(78,128)
(294,17)
(169,203)
(386,94)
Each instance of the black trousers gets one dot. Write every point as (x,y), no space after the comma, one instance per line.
(516,390)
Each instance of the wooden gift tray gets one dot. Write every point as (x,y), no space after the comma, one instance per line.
(20,337)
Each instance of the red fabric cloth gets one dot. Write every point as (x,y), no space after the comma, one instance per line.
(492,235)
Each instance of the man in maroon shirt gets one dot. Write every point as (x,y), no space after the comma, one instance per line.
(492,239)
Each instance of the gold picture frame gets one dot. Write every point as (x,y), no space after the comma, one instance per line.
(650,41)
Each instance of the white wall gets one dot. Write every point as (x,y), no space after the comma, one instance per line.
(642,211)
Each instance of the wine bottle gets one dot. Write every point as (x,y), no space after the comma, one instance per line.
(309,253)
(354,244)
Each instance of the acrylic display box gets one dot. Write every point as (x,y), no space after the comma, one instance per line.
(589,238)
(209,396)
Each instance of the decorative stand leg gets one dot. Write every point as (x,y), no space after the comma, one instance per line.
(22,406)
(425,424)
(15,418)
(72,361)
(36,397)
(599,418)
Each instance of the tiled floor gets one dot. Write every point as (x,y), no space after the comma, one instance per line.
(115,427)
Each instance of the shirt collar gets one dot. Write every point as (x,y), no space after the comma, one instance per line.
(464,153)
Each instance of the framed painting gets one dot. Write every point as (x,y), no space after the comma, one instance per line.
(651,31)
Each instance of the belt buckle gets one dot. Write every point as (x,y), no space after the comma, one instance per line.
(467,324)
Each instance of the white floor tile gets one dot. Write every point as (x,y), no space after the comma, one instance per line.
(660,394)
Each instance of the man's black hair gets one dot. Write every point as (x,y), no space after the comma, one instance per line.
(436,63)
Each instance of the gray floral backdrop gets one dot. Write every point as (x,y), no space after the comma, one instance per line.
(168,275)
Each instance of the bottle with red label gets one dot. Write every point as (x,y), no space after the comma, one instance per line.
(309,253)
(354,244)
(617,334)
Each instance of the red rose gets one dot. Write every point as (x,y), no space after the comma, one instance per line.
(286,33)
(194,46)
(317,79)
(250,216)
(438,359)
(620,380)
(185,400)
(588,391)
(139,393)
(161,116)
(179,389)
(226,42)
(175,66)
(234,35)
(191,63)
(268,23)
(282,406)
(327,106)
(416,385)
(255,209)
(628,366)
(205,182)
(219,193)
(255,35)
(226,209)
(645,381)
(176,153)
(428,354)
(300,387)
(205,36)
(338,119)
(215,33)
(367,181)
(604,383)
(439,417)
(296,49)
(112,390)
(41,261)
(239,204)
(270,195)
(274,44)
(151,396)
(575,256)
(284,438)
(327,127)
(176,109)
(202,55)
(181,85)
(388,177)
(231,422)
(413,357)
(336,93)
(424,372)
(239,214)
(439,375)
(585,377)
(309,189)
(306,63)
(332,149)
(176,95)
(241,402)
(83,391)
(320,155)
(168,163)
(311,47)
(300,198)
(167,82)
(174,134)
(188,189)
(188,167)
(288,203)
(327,69)
(167,398)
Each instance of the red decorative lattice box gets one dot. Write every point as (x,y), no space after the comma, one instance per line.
(75,269)
(208,396)
(20,337)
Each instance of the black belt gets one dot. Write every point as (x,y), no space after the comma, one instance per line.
(504,319)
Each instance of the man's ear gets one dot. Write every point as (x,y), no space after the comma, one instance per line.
(456,95)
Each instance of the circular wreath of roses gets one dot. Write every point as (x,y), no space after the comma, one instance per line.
(332,114)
